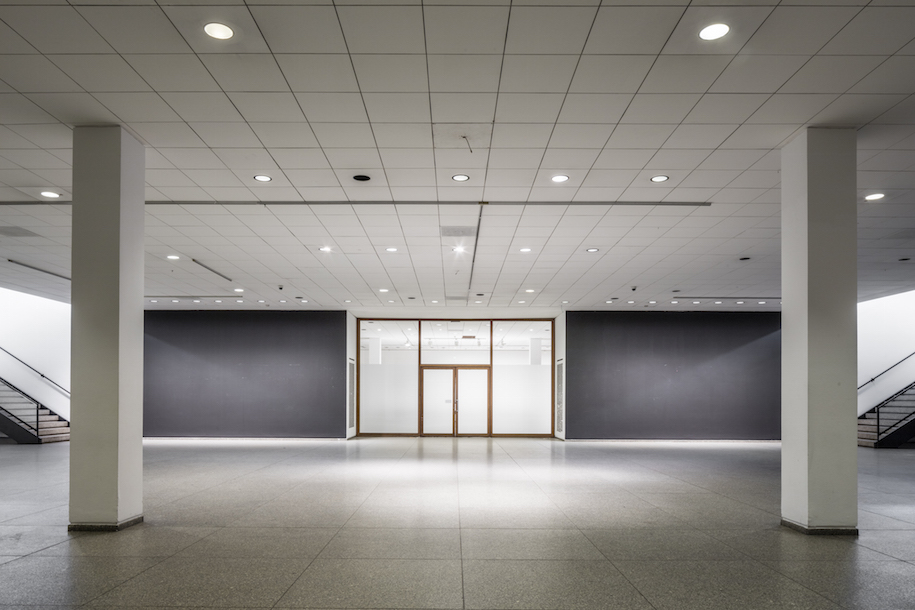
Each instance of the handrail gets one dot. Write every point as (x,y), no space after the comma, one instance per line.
(7,413)
(872,379)
(42,375)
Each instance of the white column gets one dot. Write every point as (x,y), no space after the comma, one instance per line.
(374,350)
(819,338)
(106,438)
(536,353)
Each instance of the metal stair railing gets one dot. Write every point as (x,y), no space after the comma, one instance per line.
(883,432)
(871,380)
(39,373)
(31,428)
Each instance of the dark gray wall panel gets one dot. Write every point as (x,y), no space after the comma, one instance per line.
(668,375)
(245,374)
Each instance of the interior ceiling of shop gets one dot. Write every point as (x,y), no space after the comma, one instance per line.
(411,94)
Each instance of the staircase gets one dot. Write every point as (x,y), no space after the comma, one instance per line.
(891,423)
(27,421)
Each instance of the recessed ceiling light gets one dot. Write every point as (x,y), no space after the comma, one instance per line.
(740,302)
(714,31)
(218,301)
(262,301)
(592,250)
(559,178)
(239,301)
(153,301)
(282,301)
(239,290)
(717,302)
(630,302)
(695,302)
(172,257)
(390,249)
(218,30)
(390,301)
(361,178)
(50,194)
(382,290)
(196,300)
(762,302)
(609,302)
(262,178)
(478,302)
(347,301)
(660,178)
(325,249)
(525,250)
(522,301)
(378,329)
(174,300)
(565,301)
(528,290)
(652,302)
(873,197)
(460,177)
(435,301)
(674,302)
(458,249)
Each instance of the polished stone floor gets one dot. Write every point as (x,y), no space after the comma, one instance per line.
(467,523)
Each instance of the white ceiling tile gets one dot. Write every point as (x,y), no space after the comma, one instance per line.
(459,160)
(209,178)
(192,158)
(743,21)
(407,158)
(632,30)
(791,108)
(874,31)
(344,135)
(34,74)
(528,107)
(732,159)
(667,159)
(464,73)
(299,158)
(465,29)
(353,158)
(611,73)
(231,194)
(684,73)
(368,193)
(100,72)
(383,29)
(424,193)
(332,107)
(410,177)
(554,29)
(580,135)
(594,107)
(460,193)
(318,73)
(300,29)
(758,73)
(168,135)
(537,73)
(54,29)
(659,108)
(73,108)
(135,29)
(624,158)
(202,106)
(701,178)
(855,109)
(725,107)
(138,107)
(830,74)
(517,158)
(403,135)
(798,30)
(598,194)
(699,136)
(759,136)
(515,178)
(189,20)
(462,107)
(895,75)
(184,193)
(550,194)
(267,107)
(560,158)
(12,43)
(285,135)
(505,194)
(245,158)
(226,135)
(312,178)
(334,193)
(245,71)
(639,136)
(521,135)
(391,73)
(397,107)
(173,72)
(463,136)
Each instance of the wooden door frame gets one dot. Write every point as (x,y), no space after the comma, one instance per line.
(454,396)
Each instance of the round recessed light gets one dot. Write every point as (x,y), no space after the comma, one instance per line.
(630,302)
(196,300)
(153,301)
(717,302)
(609,302)
(50,194)
(592,250)
(695,302)
(263,178)
(282,300)
(528,290)
(744,258)
(239,301)
(522,301)
(652,302)
(565,302)
(239,290)
(390,249)
(674,302)
(390,301)
(478,302)
(762,302)
(172,257)
(219,31)
(435,301)
(524,250)
(218,301)
(174,300)
(714,31)
(559,178)
(460,177)
(347,301)
(361,178)
(382,290)
(458,249)
(325,249)
(873,197)
(660,178)
(262,301)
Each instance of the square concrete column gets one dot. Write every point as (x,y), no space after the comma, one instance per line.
(106,438)
(819,332)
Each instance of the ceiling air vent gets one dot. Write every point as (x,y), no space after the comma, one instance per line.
(459,231)
(17,232)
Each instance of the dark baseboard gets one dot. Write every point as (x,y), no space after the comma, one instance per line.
(104,527)
(820,531)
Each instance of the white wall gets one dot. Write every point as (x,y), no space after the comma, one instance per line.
(886,335)
(37,331)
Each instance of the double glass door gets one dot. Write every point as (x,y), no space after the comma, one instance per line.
(455,400)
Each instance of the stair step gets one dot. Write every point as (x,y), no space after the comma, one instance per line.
(26,411)
(48,418)
(55,438)
(863,443)
(52,431)
(867,435)
(60,423)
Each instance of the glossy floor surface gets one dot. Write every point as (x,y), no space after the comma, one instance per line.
(466,523)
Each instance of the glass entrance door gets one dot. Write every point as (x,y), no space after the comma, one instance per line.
(455,401)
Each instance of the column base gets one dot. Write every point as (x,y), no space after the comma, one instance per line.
(820,531)
(104,527)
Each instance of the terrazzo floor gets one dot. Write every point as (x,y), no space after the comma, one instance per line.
(454,523)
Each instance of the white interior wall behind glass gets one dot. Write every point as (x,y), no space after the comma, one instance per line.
(522,400)
(388,379)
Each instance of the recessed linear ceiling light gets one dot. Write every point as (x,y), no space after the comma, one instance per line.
(460,177)
(652,302)
(559,178)
(524,250)
(660,178)
(565,302)
(458,249)
(172,257)
(714,31)
(390,249)
(325,249)
(218,301)
(762,302)
(239,290)
(478,302)
(528,290)
(219,31)
(592,250)
(50,194)
(873,197)
(262,178)
(522,301)
(382,290)
(347,301)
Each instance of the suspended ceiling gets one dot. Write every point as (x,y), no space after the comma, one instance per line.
(312,94)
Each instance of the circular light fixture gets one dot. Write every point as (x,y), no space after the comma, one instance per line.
(674,302)
(382,290)
(717,302)
(631,302)
(528,290)
(153,301)
(714,31)
(435,301)
(174,300)
(460,177)
(565,302)
(559,178)
(172,257)
(652,302)
(219,31)
(592,250)
(458,249)
(524,250)
(390,249)
(478,302)
(196,300)
(262,178)
(873,197)
(695,302)
(325,249)
(239,290)
(522,301)
(361,178)
(762,302)
(740,302)
(218,301)
(239,301)
(282,301)
(660,178)
(390,301)
(609,302)
(50,194)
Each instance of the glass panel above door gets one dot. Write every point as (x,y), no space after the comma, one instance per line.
(455,341)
